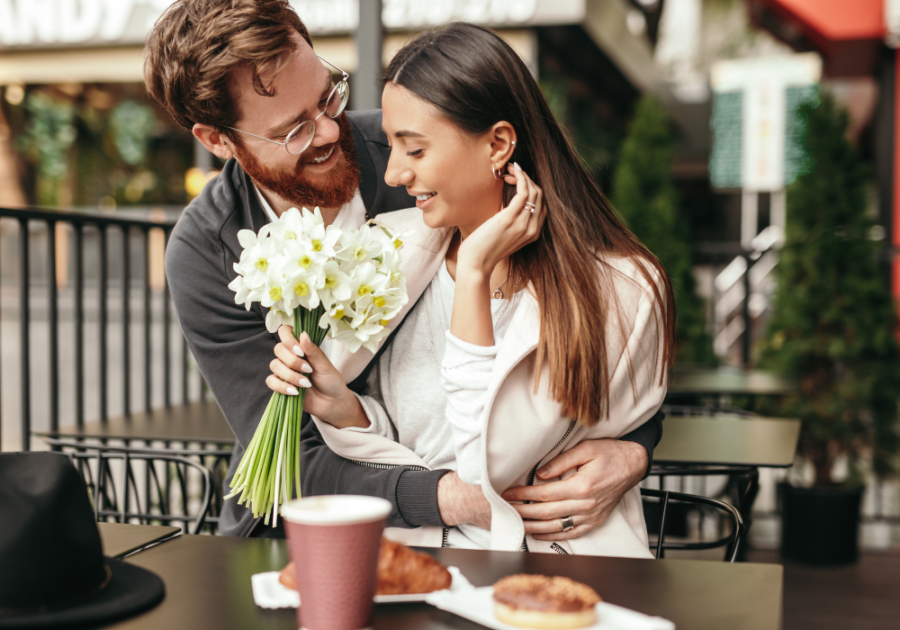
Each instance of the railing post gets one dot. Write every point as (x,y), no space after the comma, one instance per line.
(167,319)
(103,281)
(53,323)
(25,363)
(126,320)
(79,324)
(148,346)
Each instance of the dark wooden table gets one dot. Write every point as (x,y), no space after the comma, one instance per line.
(119,539)
(208,586)
(730,383)
(728,441)
(195,422)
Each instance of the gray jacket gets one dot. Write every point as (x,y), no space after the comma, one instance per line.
(233,349)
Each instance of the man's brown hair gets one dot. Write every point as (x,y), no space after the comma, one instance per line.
(196,45)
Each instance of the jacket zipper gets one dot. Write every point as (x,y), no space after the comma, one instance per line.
(531,475)
(446,532)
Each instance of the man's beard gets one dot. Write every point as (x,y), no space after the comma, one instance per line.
(335,189)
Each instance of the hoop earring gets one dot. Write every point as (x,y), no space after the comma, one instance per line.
(497,172)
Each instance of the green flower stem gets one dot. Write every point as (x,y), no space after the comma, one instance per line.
(269,470)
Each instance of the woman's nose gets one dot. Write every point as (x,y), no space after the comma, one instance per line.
(396,173)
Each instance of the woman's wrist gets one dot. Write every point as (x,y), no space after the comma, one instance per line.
(346,412)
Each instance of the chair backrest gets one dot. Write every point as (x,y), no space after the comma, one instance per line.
(145,487)
(730,541)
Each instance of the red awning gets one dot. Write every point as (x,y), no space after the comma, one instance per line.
(848,34)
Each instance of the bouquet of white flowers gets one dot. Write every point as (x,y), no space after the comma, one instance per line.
(345,283)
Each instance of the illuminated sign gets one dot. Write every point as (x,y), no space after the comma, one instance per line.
(68,23)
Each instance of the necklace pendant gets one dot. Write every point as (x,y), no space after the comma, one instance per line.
(497,295)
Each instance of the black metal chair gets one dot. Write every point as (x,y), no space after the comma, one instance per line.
(731,541)
(169,494)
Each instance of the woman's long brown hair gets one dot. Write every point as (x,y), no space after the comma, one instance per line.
(476,80)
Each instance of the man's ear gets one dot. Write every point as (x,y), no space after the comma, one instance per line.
(216,143)
(503,143)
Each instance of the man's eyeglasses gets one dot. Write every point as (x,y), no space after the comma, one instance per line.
(301,136)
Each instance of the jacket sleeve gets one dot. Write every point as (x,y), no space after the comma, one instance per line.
(647,435)
(233,350)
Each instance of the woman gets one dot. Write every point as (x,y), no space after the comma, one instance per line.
(546,323)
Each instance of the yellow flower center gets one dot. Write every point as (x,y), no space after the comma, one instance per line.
(275,293)
(395,277)
(316,245)
(330,282)
(304,261)
(262,264)
(379,301)
(364,289)
(339,314)
(383,322)
(301,289)
(290,235)
(359,253)
(398,243)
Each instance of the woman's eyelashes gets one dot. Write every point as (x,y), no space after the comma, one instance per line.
(414,153)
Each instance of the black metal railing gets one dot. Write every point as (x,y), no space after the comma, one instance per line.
(80,225)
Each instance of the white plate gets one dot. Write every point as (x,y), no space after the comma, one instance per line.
(268,592)
(477,604)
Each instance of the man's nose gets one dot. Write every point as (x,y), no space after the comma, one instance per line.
(327,131)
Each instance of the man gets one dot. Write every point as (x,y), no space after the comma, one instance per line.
(242,76)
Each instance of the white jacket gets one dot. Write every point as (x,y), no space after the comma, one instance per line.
(523,428)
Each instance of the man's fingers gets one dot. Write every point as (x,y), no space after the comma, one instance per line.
(580,530)
(552,491)
(552,526)
(552,510)
(564,462)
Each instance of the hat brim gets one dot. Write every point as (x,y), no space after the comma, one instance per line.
(130,590)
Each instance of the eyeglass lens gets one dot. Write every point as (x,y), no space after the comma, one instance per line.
(302,135)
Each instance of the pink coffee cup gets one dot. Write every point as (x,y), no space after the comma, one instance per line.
(334,542)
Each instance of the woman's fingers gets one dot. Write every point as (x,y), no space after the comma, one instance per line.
(277,385)
(286,334)
(279,369)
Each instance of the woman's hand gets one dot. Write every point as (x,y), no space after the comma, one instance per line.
(605,470)
(508,231)
(300,362)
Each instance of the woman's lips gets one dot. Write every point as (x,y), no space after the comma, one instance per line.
(424,201)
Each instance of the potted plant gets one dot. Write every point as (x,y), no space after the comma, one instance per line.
(833,328)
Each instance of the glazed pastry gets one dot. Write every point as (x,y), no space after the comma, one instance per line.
(538,601)
(401,571)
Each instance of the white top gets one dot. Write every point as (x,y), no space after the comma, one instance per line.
(428,391)
(351,215)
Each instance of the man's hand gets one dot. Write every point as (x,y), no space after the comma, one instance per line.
(462,503)
(605,470)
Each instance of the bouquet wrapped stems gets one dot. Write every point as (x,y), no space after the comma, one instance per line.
(270,468)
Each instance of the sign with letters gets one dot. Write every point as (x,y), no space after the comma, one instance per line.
(29,24)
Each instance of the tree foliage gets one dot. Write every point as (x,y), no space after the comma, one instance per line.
(645,197)
(833,322)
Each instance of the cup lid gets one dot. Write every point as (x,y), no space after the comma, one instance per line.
(336,509)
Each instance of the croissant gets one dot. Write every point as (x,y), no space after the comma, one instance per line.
(401,571)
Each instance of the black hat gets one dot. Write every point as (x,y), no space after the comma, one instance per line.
(53,570)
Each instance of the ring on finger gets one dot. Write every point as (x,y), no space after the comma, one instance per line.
(528,204)
(567,523)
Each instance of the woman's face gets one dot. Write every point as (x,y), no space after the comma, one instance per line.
(447,169)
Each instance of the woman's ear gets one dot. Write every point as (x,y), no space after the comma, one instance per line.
(503,144)
(216,143)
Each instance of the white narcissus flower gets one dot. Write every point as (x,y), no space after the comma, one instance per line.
(334,284)
(359,246)
(288,227)
(300,289)
(276,319)
(272,295)
(365,282)
(255,261)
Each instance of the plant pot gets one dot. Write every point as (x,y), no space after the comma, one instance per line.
(819,525)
